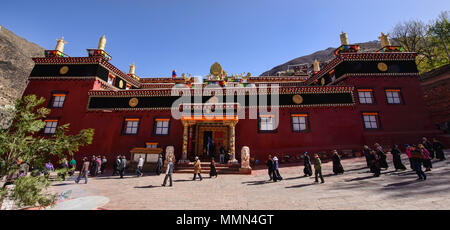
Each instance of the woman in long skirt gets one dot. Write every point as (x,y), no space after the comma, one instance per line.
(438,149)
(396,156)
(374,164)
(308,169)
(381,156)
(212,171)
(337,166)
(159,165)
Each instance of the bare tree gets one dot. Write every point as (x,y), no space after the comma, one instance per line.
(410,35)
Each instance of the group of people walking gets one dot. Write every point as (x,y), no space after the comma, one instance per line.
(376,159)
(418,155)
(272,166)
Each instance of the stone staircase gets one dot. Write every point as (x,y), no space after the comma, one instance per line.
(188,168)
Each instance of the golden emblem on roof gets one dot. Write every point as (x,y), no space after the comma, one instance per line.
(133,102)
(64,70)
(382,67)
(297,99)
(216,70)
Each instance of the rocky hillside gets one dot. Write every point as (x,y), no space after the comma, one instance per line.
(15,67)
(322,56)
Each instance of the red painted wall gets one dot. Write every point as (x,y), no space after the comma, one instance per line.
(330,128)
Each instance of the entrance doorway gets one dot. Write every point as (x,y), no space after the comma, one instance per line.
(217,134)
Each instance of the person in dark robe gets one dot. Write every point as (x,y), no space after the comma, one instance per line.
(396,156)
(159,165)
(227,157)
(269,164)
(428,146)
(116,166)
(374,164)
(366,152)
(94,166)
(212,169)
(382,156)
(103,165)
(438,148)
(276,174)
(307,170)
(337,166)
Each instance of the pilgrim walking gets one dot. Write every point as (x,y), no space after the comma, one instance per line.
(116,166)
(417,158)
(94,166)
(428,146)
(396,156)
(84,171)
(408,153)
(212,170)
(318,169)
(366,152)
(337,166)
(197,169)
(426,158)
(374,163)
(140,165)
(159,165)
(276,174)
(438,149)
(381,156)
(122,166)
(307,170)
(269,164)
(169,172)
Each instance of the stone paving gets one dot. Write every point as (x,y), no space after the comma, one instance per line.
(355,190)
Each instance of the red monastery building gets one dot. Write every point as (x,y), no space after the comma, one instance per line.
(356,99)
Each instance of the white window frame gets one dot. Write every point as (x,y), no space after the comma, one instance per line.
(266,123)
(162,126)
(299,122)
(58,100)
(365,97)
(371,121)
(393,97)
(132,127)
(50,126)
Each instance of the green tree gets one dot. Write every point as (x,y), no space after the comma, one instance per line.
(440,29)
(22,142)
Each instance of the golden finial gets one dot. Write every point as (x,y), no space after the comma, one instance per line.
(60,45)
(102,43)
(132,69)
(344,38)
(384,40)
(316,66)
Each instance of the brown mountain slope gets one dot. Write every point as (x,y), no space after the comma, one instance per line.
(15,67)
(322,56)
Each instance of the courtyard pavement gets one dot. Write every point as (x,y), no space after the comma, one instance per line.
(357,189)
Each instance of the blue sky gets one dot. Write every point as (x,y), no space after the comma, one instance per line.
(189,35)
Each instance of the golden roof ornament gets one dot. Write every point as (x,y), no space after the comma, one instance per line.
(316,66)
(132,69)
(102,43)
(344,38)
(60,45)
(384,40)
(216,70)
